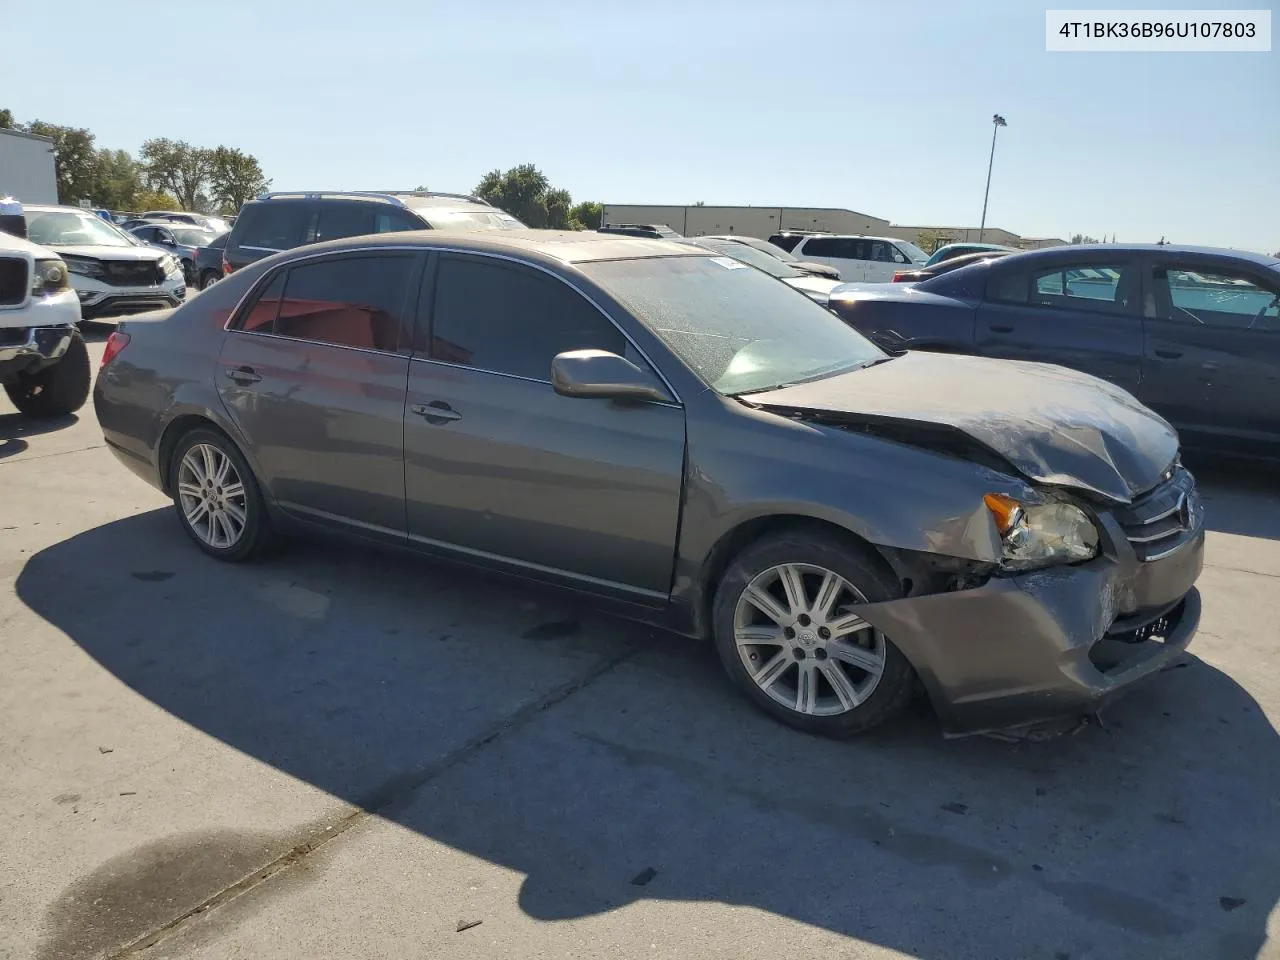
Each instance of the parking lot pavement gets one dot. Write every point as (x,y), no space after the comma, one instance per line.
(346,753)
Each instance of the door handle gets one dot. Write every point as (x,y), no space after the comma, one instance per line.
(1001,328)
(436,411)
(242,374)
(1169,354)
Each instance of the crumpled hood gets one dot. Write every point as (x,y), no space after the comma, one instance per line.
(1054,425)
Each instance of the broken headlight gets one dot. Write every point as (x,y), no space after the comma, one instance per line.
(48,277)
(1041,534)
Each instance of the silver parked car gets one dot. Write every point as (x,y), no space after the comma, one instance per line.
(688,442)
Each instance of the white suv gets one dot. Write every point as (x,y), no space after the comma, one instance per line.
(868,259)
(44,366)
(112,272)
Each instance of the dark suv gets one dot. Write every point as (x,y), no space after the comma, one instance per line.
(282,221)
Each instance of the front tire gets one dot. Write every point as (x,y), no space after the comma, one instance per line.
(58,389)
(789,636)
(217,498)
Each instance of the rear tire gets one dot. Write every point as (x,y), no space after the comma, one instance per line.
(786,628)
(217,498)
(56,390)
(209,278)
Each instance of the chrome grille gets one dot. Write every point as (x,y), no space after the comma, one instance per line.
(131,273)
(15,281)
(1160,521)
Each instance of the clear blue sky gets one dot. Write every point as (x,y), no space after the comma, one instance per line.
(880,107)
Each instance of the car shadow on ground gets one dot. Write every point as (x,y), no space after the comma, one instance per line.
(15,428)
(1157,834)
(1241,496)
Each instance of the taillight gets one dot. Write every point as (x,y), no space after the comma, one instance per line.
(226,266)
(899,276)
(115,343)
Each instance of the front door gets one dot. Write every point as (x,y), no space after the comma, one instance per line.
(1212,360)
(501,467)
(883,260)
(314,377)
(1083,315)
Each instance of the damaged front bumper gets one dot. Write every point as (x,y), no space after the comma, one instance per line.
(1056,644)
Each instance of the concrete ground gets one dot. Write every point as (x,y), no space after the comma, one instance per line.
(344,753)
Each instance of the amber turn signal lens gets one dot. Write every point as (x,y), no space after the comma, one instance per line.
(1006,510)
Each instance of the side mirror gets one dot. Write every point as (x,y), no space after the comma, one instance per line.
(602,375)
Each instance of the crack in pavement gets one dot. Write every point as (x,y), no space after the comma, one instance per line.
(391,795)
(1256,573)
(44,456)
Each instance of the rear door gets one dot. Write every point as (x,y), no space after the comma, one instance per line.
(500,467)
(1212,359)
(1083,313)
(313,374)
(846,254)
(268,227)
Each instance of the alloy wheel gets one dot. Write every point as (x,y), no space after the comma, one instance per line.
(212,495)
(803,644)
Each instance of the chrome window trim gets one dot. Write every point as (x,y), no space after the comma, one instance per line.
(322,343)
(428,248)
(245,246)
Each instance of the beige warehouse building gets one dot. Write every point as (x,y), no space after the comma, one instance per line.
(701,221)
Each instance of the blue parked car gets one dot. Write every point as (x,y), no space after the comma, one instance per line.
(1192,332)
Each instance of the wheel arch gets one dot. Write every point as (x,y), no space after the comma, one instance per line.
(179,427)
(747,532)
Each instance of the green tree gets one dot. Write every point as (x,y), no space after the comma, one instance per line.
(588,213)
(178,168)
(560,211)
(6,119)
(76,160)
(520,191)
(149,199)
(119,181)
(1083,238)
(930,240)
(236,178)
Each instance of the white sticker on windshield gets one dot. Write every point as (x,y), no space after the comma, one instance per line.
(728,263)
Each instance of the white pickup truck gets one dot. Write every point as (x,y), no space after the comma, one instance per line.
(44,366)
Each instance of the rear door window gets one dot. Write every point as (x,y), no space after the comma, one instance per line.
(275,225)
(394,221)
(343,219)
(348,301)
(1100,287)
(838,248)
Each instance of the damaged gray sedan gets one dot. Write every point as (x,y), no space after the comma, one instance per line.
(689,442)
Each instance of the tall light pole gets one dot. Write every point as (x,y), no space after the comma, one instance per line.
(997,122)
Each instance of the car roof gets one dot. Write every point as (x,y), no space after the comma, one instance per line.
(857,236)
(561,246)
(411,199)
(1070,251)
